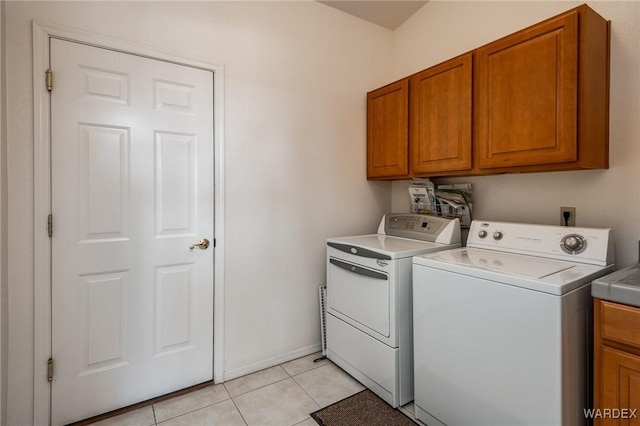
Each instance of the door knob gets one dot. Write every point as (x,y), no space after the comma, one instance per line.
(203,244)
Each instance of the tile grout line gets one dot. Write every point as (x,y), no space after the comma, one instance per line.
(306,393)
(195,409)
(311,369)
(289,376)
(263,386)
(202,408)
(153,410)
(316,366)
(239,412)
(303,390)
(259,387)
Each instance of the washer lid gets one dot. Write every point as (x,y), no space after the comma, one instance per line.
(534,273)
(505,263)
(394,247)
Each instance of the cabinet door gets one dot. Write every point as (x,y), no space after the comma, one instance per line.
(620,387)
(388,131)
(527,96)
(440,121)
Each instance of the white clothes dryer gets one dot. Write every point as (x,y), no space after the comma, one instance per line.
(502,327)
(369,300)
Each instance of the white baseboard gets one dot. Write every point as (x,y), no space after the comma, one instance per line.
(261,365)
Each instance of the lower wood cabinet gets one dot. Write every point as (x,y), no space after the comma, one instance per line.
(616,364)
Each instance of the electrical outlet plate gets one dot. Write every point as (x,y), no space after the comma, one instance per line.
(572,216)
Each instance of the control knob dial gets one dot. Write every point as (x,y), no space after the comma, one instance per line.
(573,243)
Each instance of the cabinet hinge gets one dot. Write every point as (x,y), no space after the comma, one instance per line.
(50,225)
(49,79)
(50,369)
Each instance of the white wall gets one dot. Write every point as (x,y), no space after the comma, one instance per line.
(295,135)
(296,77)
(4,324)
(603,198)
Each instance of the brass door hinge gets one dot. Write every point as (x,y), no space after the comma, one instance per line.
(49,79)
(50,225)
(50,369)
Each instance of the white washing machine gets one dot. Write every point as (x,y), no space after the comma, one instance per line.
(502,328)
(369,300)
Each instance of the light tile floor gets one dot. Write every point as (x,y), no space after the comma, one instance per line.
(283,395)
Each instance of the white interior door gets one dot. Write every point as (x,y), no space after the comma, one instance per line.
(132,190)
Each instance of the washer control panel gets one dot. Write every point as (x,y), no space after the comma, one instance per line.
(559,242)
(497,235)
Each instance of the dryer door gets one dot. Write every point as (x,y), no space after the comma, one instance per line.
(359,295)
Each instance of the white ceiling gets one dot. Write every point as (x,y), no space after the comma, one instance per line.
(389,14)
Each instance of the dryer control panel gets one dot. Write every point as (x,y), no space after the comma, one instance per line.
(421,227)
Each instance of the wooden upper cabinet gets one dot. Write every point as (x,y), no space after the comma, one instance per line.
(440,118)
(542,96)
(388,132)
(533,101)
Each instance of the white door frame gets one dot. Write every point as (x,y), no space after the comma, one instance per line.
(42,32)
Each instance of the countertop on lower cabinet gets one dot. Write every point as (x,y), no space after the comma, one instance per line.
(621,286)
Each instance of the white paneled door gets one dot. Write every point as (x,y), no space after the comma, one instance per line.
(132,190)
